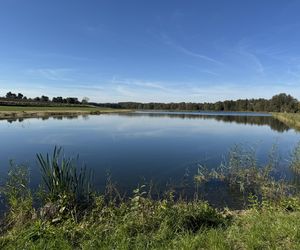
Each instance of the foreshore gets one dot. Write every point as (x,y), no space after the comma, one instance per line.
(10,112)
(290,119)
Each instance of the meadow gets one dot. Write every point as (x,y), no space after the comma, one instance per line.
(44,111)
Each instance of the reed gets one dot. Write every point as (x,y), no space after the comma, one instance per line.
(62,178)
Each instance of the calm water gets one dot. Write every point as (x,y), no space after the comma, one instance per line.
(163,147)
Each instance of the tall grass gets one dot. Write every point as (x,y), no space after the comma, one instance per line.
(242,172)
(295,160)
(64,180)
(17,195)
(290,119)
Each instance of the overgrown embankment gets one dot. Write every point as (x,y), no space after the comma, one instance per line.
(290,119)
(146,224)
(71,215)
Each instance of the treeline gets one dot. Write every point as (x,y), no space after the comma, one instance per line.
(12,97)
(278,103)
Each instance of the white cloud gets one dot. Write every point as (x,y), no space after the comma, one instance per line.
(167,40)
(251,57)
(53,74)
(140,83)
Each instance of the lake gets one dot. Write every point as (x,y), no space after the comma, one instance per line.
(135,148)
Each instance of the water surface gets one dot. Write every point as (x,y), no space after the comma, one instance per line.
(164,147)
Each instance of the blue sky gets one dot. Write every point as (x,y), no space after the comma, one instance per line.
(158,50)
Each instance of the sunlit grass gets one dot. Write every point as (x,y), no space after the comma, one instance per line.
(290,119)
(65,108)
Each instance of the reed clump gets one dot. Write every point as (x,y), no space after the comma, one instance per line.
(62,178)
(242,172)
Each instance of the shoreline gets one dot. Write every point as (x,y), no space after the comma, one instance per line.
(15,112)
(37,112)
(290,119)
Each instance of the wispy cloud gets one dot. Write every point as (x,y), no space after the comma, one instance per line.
(53,74)
(167,40)
(139,83)
(259,66)
(202,70)
(294,72)
(117,90)
(56,56)
(244,50)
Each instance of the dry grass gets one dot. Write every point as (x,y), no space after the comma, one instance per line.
(290,119)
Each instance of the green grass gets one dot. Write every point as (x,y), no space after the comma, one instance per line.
(66,108)
(7,112)
(159,225)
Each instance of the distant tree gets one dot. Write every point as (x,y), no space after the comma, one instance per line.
(11,95)
(278,103)
(44,98)
(85,100)
(58,99)
(72,100)
(219,106)
(284,103)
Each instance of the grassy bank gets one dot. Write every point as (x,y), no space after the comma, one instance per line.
(290,119)
(70,215)
(148,224)
(27,111)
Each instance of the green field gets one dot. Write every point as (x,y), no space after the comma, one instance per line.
(25,112)
(66,108)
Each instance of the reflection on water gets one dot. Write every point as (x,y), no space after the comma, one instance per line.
(259,119)
(45,118)
(242,118)
(165,147)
